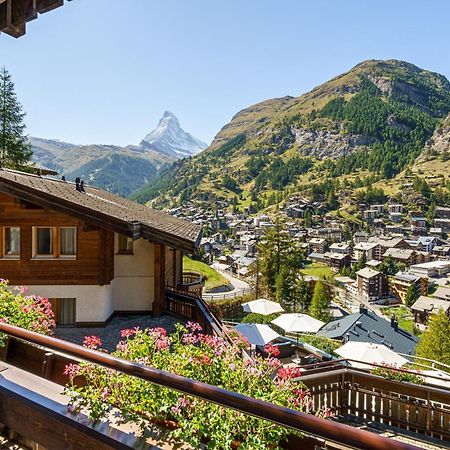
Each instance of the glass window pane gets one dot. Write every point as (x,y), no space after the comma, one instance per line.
(44,241)
(12,241)
(68,241)
(125,244)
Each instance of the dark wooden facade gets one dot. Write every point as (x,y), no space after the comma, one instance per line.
(94,261)
(14,14)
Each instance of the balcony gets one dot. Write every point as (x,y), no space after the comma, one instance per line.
(191,284)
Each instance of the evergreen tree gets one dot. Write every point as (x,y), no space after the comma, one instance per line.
(307,218)
(389,266)
(320,303)
(362,262)
(411,295)
(276,250)
(15,150)
(431,212)
(435,342)
(304,294)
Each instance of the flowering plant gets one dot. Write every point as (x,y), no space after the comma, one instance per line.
(190,353)
(392,372)
(26,311)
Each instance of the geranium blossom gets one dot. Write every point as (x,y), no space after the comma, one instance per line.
(200,357)
(92,342)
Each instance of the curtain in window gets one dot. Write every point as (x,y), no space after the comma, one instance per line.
(12,241)
(68,244)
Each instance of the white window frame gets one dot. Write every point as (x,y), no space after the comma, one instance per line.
(3,247)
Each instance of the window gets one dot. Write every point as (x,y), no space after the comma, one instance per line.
(68,241)
(11,242)
(43,241)
(64,310)
(54,242)
(125,244)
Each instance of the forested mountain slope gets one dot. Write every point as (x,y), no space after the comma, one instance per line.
(374,119)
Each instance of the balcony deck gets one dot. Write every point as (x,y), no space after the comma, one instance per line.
(341,391)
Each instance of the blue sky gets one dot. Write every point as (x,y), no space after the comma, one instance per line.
(95,71)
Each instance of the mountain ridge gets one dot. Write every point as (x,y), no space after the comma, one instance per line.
(375,117)
(122,170)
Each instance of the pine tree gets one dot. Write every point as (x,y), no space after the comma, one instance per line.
(320,303)
(435,342)
(277,250)
(411,295)
(15,150)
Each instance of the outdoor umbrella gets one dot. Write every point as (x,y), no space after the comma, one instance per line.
(262,306)
(436,377)
(366,353)
(257,334)
(298,323)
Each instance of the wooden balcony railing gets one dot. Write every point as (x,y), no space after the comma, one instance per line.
(342,434)
(190,306)
(367,398)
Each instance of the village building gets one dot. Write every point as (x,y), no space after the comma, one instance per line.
(402,255)
(340,247)
(366,326)
(443,293)
(432,269)
(92,253)
(369,250)
(371,284)
(318,245)
(424,306)
(337,260)
(395,208)
(401,282)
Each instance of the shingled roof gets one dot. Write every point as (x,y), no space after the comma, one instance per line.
(102,209)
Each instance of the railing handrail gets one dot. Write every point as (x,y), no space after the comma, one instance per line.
(333,431)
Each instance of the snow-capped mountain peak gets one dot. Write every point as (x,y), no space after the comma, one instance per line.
(170,139)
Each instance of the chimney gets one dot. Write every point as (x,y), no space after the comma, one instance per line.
(63,178)
(77,184)
(82,185)
(362,308)
(394,323)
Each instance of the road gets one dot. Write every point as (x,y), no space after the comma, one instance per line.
(240,288)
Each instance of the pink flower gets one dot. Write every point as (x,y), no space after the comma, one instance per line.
(274,363)
(272,350)
(285,373)
(159,331)
(92,342)
(122,346)
(189,339)
(105,394)
(193,326)
(162,344)
(128,332)
(22,290)
(72,370)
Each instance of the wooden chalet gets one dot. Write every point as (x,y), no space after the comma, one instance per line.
(14,14)
(90,252)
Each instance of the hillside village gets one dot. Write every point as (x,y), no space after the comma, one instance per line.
(391,253)
(285,287)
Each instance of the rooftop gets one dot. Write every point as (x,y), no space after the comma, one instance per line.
(102,207)
(369,327)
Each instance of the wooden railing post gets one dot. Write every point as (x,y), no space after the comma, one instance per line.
(47,365)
